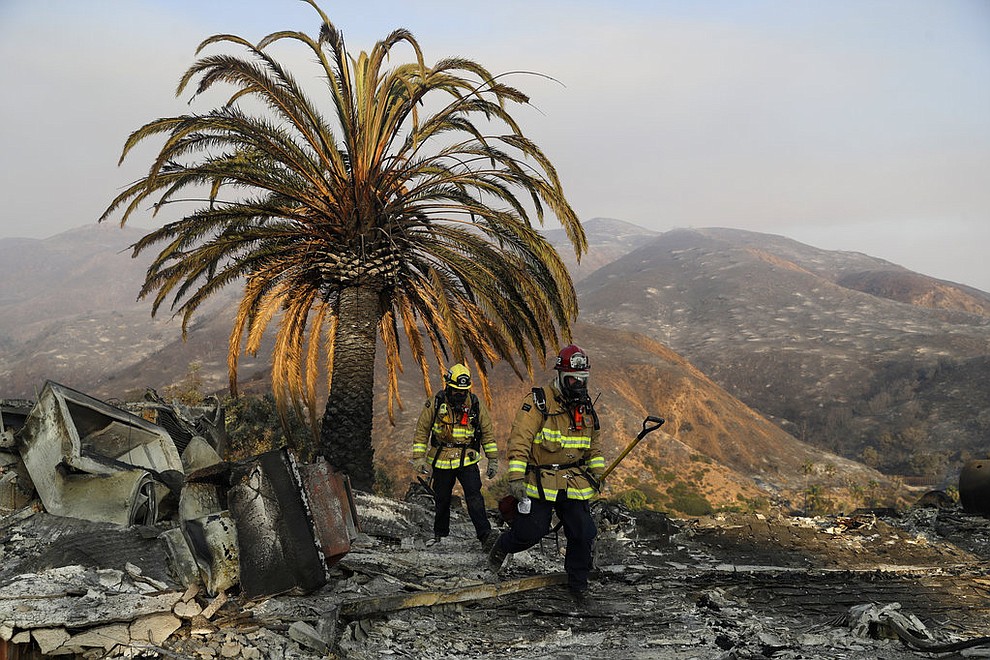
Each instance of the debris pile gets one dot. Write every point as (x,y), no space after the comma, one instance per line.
(95,488)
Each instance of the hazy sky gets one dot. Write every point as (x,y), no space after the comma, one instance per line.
(846,124)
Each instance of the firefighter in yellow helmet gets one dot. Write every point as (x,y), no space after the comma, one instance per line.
(453,431)
(555,463)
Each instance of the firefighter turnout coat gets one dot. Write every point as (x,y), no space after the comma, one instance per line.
(454,438)
(555,451)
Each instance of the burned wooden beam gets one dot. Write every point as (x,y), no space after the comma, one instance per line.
(354,609)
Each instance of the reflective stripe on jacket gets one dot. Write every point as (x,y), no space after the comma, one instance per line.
(550,441)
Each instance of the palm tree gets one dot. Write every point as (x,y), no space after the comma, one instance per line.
(411,206)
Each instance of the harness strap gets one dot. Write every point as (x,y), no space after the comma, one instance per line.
(473,413)
(532,467)
(555,466)
(451,445)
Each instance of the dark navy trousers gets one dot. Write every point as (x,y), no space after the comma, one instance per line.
(579,529)
(443,486)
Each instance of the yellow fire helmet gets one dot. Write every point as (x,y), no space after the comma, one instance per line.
(458,377)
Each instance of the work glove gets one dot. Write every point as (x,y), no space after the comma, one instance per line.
(517,489)
(492,468)
(421,464)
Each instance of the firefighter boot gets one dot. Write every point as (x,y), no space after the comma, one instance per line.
(489,541)
(496,556)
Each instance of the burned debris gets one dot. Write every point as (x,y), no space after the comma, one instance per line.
(198,557)
(112,488)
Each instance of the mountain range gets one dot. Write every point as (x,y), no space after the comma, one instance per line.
(847,352)
(780,369)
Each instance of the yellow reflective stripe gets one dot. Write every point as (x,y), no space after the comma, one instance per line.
(491,448)
(457,432)
(549,494)
(567,441)
(580,493)
(549,435)
(596,462)
(455,463)
(419,448)
(517,466)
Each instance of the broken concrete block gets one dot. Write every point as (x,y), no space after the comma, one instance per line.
(306,636)
(49,639)
(251,653)
(230,650)
(187,610)
(138,577)
(154,628)
(201,626)
(105,637)
(215,605)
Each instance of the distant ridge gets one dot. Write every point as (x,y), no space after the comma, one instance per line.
(608,239)
(849,352)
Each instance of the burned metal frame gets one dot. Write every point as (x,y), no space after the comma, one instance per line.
(74,446)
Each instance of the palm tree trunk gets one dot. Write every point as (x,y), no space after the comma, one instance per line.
(345,435)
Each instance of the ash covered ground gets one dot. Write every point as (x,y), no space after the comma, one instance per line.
(728,586)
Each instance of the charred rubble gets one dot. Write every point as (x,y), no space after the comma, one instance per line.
(124,533)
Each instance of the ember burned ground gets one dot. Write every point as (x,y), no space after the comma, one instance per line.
(729,586)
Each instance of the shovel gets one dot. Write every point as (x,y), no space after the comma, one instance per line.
(650,424)
(656,422)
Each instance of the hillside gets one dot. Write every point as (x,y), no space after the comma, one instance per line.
(825,343)
(69,312)
(86,331)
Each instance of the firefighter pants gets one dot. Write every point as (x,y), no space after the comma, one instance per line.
(443,485)
(579,529)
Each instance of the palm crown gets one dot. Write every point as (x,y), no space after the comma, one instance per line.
(379,221)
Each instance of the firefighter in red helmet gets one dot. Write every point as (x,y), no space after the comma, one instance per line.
(556,463)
